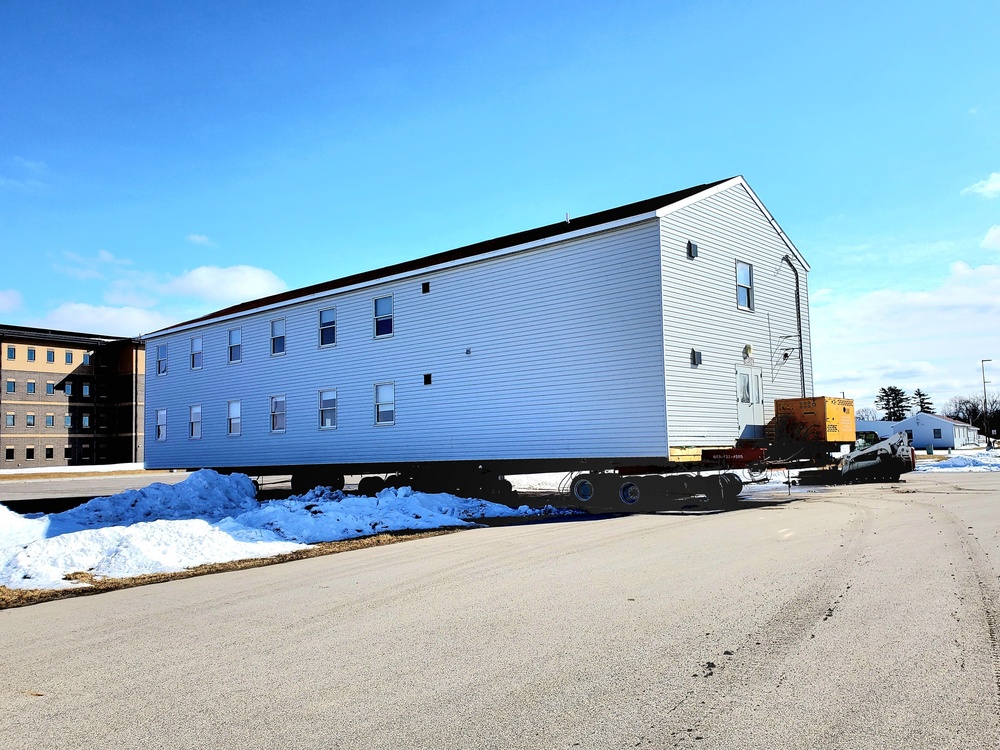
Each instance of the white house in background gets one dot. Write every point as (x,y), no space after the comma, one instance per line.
(927,430)
(619,338)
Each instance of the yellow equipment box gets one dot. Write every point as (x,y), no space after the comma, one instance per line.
(825,419)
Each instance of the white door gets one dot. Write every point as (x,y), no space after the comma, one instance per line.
(749,401)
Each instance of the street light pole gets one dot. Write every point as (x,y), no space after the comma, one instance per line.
(986,421)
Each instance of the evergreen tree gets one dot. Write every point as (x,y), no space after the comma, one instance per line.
(922,402)
(894,402)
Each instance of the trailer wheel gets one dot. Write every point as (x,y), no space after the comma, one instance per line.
(370,486)
(629,493)
(732,486)
(583,489)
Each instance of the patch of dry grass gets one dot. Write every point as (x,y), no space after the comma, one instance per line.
(23,597)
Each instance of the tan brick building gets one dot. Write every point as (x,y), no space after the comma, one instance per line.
(69,398)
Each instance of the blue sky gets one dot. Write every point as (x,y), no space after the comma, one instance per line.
(159,160)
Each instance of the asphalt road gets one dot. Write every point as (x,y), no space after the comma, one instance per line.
(861,617)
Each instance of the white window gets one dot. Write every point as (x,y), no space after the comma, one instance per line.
(161,424)
(235,345)
(328,327)
(278,336)
(194,422)
(234,411)
(328,409)
(385,403)
(197,349)
(161,359)
(744,285)
(277,413)
(383,316)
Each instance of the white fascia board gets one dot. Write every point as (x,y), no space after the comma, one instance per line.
(571,235)
(667,210)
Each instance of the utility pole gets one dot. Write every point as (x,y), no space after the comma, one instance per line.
(986,419)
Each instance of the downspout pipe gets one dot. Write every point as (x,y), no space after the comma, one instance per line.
(798,324)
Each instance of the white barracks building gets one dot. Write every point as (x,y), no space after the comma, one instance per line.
(626,337)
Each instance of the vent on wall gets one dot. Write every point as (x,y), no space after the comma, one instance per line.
(695,357)
(692,249)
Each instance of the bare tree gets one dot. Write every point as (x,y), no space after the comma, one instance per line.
(867,413)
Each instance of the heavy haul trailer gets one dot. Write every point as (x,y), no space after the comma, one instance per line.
(624,340)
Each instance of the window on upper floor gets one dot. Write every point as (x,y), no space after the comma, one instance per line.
(11,386)
(161,359)
(11,352)
(234,411)
(68,388)
(161,424)
(31,354)
(194,422)
(277,336)
(69,358)
(50,420)
(86,358)
(86,389)
(85,420)
(30,386)
(29,420)
(277,413)
(328,327)
(50,388)
(744,285)
(68,420)
(235,345)
(50,356)
(385,403)
(197,352)
(383,316)
(328,409)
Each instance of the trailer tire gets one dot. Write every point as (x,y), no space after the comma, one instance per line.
(370,486)
(733,486)
(629,492)
(583,489)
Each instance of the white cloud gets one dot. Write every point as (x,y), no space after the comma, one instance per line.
(988,188)
(224,286)
(10,300)
(111,321)
(992,239)
(84,268)
(200,239)
(932,340)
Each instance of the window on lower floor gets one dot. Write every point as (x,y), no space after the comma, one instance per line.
(29,453)
(50,452)
(67,451)
(50,389)
(385,403)
(194,422)
(937,434)
(30,386)
(68,420)
(235,410)
(86,390)
(68,388)
(8,453)
(11,386)
(277,413)
(328,409)
(161,424)
(9,420)
(50,420)
(85,420)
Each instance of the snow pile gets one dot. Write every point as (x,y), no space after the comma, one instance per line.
(208,518)
(981,461)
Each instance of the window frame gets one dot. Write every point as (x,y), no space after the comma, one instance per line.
(323,410)
(50,356)
(69,357)
(747,288)
(68,388)
(50,452)
(328,326)
(29,419)
(68,420)
(10,420)
(11,386)
(50,420)
(377,403)
(85,420)
(29,387)
(938,432)
(273,401)
(390,317)
(275,338)
(11,352)
(196,357)
(50,388)
(160,426)
(238,346)
(31,354)
(161,361)
(192,422)
(85,389)
(234,424)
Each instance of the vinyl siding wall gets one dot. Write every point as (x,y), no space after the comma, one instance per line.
(700,312)
(565,360)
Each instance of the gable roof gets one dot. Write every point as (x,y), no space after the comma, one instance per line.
(650,206)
